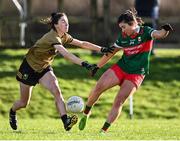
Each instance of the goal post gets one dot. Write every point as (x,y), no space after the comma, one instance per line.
(23,14)
(131,106)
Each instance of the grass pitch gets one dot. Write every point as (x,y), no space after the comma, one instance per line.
(51,129)
(156,103)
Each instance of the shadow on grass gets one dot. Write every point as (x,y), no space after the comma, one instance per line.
(164,69)
(4,74)
(161,69)
(4,57)
(69,72)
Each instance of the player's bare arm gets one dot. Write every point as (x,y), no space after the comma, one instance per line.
(63,51)
(71,57)
(165,29)
(107,57)
(103,61)
(90,46)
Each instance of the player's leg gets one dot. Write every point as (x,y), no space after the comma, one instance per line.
(106,81)
(25,95)
(127,89)
(50,82)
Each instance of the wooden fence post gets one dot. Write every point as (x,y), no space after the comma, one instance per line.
(94,19)
(106,14)
(1,10)
(60,5)
(29,5)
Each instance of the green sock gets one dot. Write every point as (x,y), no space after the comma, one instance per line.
(106,126)
(87,109)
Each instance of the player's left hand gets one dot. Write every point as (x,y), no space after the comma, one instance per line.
(167,27)
(106,50)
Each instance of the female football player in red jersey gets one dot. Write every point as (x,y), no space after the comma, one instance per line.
(136,42)
(36,67)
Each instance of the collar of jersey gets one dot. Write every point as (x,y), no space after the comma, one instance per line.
(137,31)
(57,33)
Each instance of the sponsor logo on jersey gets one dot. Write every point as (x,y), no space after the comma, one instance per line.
(132,42)
(123,42)
(133,50)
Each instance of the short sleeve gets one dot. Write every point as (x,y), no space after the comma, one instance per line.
(51,38)
(148,32)
(68,38)
(55,41)
(118,42)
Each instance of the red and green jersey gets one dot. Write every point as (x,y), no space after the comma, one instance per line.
(137,49)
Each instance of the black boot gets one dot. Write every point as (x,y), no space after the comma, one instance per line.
(70,122)
(13,119)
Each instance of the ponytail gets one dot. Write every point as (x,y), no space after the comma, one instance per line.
(53,19)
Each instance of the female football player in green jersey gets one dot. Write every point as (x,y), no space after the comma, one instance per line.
(36,67)
(129,72)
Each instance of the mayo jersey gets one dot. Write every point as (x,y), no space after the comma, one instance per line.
(42,53)
(136,50)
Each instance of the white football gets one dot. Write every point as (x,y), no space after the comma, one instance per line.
(75,104)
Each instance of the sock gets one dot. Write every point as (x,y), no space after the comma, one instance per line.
(87,109)
(64,118)
(106,126)
(12,112)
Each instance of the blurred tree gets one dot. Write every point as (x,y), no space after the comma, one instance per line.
(107,30)
(0,22)
(94,16)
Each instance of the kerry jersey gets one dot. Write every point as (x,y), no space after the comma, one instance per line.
(42,53)
(136,51)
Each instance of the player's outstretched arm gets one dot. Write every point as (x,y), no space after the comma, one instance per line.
(163,32)
(104,59)
(67,55)
(71,57)
(91,46)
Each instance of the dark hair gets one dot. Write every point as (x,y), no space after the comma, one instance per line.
(53,19)
(129,16)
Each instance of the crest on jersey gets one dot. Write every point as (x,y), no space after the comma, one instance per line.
(25,76)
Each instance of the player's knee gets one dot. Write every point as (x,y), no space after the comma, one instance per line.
(24,104)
